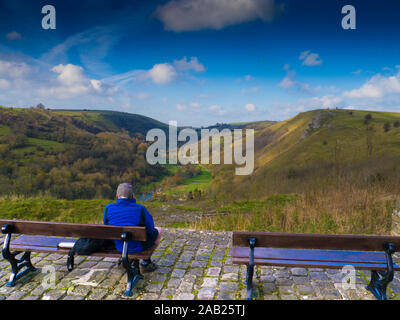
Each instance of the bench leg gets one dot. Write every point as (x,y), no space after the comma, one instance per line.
(250,270)
(132,271)
(380,280)
(249,282)
(16,264)
(378,285)
(134,275)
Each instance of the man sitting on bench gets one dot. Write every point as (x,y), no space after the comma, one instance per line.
(126,212)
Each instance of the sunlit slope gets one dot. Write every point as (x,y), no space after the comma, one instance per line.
(316,138)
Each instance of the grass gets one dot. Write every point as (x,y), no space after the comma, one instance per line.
(35,149)
(200,182)
(343,212)
(48,209)
(4,130)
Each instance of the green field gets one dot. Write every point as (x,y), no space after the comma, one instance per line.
(199,182)
(47,209)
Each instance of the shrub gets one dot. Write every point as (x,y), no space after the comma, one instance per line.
(367,118)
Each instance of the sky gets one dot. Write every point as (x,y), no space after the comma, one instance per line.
(201,62)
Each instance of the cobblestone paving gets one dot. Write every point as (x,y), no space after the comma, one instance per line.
(192,265)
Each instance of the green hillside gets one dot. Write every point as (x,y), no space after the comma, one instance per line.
(315,141)
(114,121)
(73,154)
(333,171)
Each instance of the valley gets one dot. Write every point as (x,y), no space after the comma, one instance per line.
(327,171)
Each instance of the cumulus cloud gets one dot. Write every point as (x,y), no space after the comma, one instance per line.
(72,81)
(217,109)
(181,107)
(310,59)
(161,73)
(14,35)
(328,101)
(250,90)
(193,64)
(195,105)
(13,69)
(70,74)
(376,87)
(250,107)
(288,82)
(4,84)
(193,15)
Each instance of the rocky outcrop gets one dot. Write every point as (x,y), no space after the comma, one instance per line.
(317,122)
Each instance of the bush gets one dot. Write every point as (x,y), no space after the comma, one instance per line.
(292,173)
(367,118)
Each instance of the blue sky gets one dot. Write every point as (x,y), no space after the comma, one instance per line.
(201,61)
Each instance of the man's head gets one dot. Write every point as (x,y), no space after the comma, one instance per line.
(125,191)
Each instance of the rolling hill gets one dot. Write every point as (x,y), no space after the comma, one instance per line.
(73,154)
(314,145)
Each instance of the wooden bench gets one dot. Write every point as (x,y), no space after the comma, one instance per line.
(318,251)
(35,236)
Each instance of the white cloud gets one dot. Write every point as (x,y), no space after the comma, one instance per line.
(72,81)
(217,109)
(180,107)
(329,101)
(4,84)
(14,70)
(142,95)
(310,59)
(14,35)
(250,107)
(376,87)
(70,75)
(195,105)
(289,82)
(193,64)
(163,73)
(250,90)
(193,15)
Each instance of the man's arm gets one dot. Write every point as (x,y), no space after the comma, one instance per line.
(105,216)
(149,220)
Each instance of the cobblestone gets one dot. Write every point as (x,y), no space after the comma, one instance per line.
(192,265)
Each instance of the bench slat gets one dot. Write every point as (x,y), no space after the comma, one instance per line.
(313,264)
(314,241)
(50,245)
(78,230)
(312,255)
(40,241)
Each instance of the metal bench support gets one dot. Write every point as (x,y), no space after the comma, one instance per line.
(380,280)
(16,264)
(132,267)
(250,270)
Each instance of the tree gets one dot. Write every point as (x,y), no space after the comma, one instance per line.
(367,118)
(386,126)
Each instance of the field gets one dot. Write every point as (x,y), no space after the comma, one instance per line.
(199,182)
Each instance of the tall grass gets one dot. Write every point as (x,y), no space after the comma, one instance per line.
(336,198)
(49,209)
(338,212)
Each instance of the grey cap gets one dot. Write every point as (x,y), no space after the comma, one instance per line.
(125,190)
